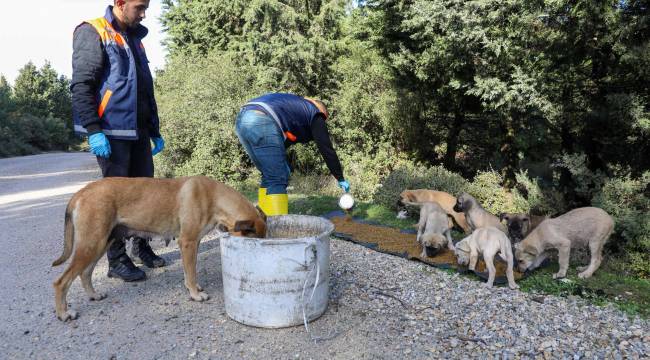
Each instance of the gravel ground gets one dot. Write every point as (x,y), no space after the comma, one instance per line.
(381,306)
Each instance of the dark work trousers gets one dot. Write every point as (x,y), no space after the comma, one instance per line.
(129,158)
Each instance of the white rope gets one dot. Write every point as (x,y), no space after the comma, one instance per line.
(316,266)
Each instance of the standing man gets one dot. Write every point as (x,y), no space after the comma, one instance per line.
(267,125)
(113,104)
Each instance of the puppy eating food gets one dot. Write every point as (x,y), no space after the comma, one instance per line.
(184,208)
(445,200)
(487,241)
(433,229)
(582,227)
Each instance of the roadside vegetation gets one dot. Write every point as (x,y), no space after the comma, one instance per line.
(35,113)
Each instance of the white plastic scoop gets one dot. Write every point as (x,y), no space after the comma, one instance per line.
(346,201)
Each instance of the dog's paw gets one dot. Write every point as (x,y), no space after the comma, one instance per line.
(402,214)
(97,296)
(200,296)
(68,315)
(584,275)
(514,287)
(558,275)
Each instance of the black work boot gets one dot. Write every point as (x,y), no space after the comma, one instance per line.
(143,252)
(123,268)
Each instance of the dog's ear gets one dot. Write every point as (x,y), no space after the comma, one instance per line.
(467,201)
(463,245)
(245,226)
(410,196)
(222,228)
(261,212)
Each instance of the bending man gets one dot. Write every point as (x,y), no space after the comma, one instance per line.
(267,125)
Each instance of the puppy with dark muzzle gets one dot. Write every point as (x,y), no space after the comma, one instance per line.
(476,216)
(519,225)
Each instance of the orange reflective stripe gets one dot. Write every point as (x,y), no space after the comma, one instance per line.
(102,106)
(106,31)
(119,40)
(290,136)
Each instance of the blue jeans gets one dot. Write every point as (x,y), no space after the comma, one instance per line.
(263,141)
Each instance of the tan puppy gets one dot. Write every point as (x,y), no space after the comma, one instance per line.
(184,208)
(588,226)
(476,216)
(433,229)
(487,241)
(519,225)
(445,200)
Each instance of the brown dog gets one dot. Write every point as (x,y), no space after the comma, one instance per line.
(184,208)
(445,200)
(519,225)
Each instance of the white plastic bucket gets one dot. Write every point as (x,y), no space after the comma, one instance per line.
(278,281)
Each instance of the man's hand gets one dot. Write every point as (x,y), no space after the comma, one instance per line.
(99,145)
(159,145)
(343,184)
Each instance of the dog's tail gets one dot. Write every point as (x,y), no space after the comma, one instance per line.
(68,237)
(506,251)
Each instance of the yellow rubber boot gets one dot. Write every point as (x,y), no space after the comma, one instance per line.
(261,198)
(276,204)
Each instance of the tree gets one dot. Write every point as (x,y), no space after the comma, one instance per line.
(42,92)
(291,43)
(6,102)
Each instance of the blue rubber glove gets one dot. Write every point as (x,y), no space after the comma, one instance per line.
(158,145)
(345,185)
(99,145)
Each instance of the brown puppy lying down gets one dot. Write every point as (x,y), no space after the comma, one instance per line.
(184,208)
(582,227)
(445,200)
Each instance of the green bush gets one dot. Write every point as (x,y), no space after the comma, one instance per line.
(588,182)
(11,141)
(199,99)
(624,199)
(539,201)
(24,134)
(408,175)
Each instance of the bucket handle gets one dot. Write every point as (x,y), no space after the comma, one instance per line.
(315,265)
